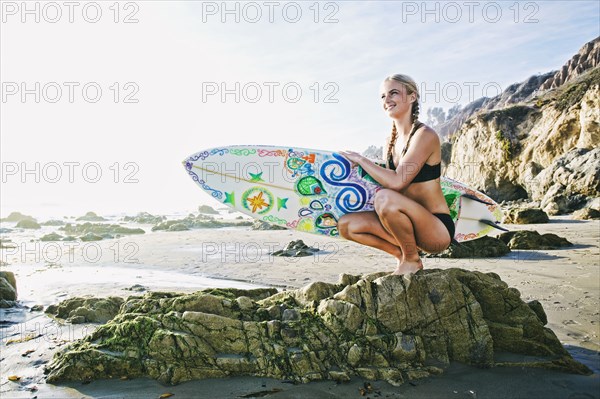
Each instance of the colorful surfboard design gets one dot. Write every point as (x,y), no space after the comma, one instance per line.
(309,190)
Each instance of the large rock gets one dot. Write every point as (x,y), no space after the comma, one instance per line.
(8,289)
(98,229)
(91,217)
(525,216)
(206,209)
(17,217)
(378,327)
(565,185)
(144,218)
(28,224)
(586,214)
(526,239)
(262,225)
(52,237)
(53,222)
(296,248)
(198,221)
(484,247)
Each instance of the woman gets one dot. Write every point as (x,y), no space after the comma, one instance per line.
(410,210)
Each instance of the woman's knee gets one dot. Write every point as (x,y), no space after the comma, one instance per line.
(343,225)
(386,202)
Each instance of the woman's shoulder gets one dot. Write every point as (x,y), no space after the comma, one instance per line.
(427,133)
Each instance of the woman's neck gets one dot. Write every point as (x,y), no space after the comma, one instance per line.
(403,126)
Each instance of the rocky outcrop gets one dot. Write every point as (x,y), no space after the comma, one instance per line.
(199,221)
(144,218)
(568,181)
(484,247)
(500,145)
(502,151)
(53,222)
(86,310)
(28,224)
(101,230)
(206,209)
(525,216)
(296,248)
(377,327)
(52,237)
(8,289)
(587,58)
(526,239)
(586,214)
(91,217)
(17,217)
(262,225)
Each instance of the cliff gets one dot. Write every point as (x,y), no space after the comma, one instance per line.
(502,145)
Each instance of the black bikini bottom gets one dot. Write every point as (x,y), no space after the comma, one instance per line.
(447,220)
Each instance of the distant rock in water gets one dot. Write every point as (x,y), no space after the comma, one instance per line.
(86,310)
(178,227)
(7,243)
(525,216)
(377,327)
(91,217)
(144,218)
(17,217)
(87,237)
(8,289)
(526,239)
(262,225)
(28,224)
(53,222)
(209,210)
(99,229)
(52,237)
(197,222)
(136,287)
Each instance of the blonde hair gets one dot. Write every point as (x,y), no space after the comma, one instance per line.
(411,87)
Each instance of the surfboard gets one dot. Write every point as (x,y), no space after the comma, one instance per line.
(309,190)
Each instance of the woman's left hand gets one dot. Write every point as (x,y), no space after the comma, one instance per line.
(352,156)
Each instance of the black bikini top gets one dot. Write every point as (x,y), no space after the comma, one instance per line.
(427,172)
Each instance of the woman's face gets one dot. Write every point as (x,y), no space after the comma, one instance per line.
(394,99)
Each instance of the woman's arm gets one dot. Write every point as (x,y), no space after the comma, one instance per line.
(421,147)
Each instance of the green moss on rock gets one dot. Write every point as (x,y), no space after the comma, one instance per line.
(378,327)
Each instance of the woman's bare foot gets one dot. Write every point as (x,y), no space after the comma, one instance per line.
(406,266)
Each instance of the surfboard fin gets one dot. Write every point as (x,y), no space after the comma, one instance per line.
(456,243)
(493,224)
(474,198)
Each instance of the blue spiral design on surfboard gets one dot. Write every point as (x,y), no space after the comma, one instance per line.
(352,197)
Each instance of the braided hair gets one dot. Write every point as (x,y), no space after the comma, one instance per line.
(411,87)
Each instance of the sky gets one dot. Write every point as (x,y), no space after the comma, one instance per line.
(101,101)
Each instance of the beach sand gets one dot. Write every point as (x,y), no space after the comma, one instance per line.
(565,281)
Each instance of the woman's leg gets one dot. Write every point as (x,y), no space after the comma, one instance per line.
(365,228)
(411,225)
